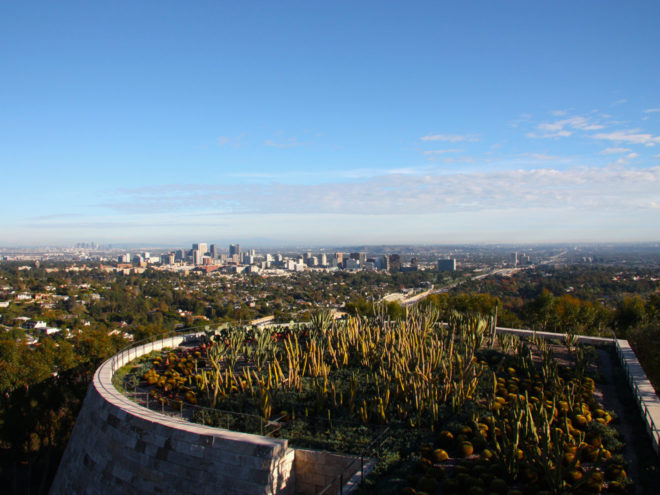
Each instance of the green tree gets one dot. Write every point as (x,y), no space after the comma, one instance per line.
(630,313)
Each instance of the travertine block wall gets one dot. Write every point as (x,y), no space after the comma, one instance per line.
(315,470)
(112,451)
(118,447)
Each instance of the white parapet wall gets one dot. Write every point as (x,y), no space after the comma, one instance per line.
(642,389)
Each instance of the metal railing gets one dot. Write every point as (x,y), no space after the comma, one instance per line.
(154,343)
(229,420)
(278,427)
(367,453)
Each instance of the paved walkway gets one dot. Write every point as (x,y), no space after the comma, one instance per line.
(645,394)
(642,390)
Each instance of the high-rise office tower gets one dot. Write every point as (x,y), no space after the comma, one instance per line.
(360,257)
(202,246)
(395,263)
(235,249)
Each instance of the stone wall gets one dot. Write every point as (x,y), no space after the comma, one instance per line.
(119,447)
(315,470)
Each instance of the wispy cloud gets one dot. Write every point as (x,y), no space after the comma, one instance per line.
(286,143)
(450,138)
(633,136)
(591,188)
(234,141)
(522,118)
(564,127)
(583,124)
(542,156)
(549,134)
(458,159)
(58,216)
(442,152)
(652,110)
(620,102)
(614,151)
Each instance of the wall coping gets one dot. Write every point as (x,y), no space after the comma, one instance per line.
(582,339)
(102,382)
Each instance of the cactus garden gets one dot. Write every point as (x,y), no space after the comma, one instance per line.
(466,410)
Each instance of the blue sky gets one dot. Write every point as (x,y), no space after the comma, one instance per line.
(329,122)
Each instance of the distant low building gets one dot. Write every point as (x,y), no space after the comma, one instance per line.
(259,322)
(448,265)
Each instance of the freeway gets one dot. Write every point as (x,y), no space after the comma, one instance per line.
(506,272)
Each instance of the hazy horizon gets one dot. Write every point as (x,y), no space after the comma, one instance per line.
(330,124)
(264,245)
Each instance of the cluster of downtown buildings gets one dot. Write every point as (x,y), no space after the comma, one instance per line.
(207,257)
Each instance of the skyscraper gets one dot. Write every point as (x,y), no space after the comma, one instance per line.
(202,246)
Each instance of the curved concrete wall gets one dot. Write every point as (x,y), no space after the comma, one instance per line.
(118,446)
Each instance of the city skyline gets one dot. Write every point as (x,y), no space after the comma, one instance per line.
(342,123)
